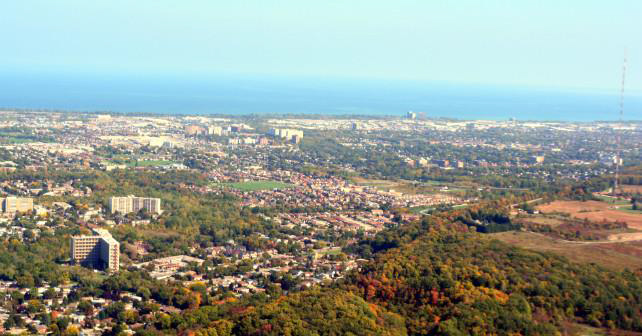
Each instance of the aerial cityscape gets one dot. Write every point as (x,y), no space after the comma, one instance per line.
(276,168)
(184,213)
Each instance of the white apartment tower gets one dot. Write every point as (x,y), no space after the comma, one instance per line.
(129,204)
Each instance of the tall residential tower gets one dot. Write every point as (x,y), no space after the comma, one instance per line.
(100,251)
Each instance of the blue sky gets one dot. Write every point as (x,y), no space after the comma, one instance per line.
(546,43)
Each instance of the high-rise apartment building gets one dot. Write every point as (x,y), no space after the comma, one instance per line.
(100,251)
(17,204)
(129,204)
(287,134)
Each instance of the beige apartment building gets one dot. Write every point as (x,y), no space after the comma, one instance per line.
(17,204)
(129,204)
(100,251)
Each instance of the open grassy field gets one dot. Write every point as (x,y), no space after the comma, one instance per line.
(410,187)
(18,138)
(612,200)
(375,183)
(615,256)
(150,163)
(256,185)
(387,185)
(596,211)
(418,210)
(549,220)
(329,251)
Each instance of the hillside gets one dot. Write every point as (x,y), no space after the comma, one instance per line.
(449,283)
(444,282)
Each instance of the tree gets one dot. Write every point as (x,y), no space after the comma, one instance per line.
(86,307)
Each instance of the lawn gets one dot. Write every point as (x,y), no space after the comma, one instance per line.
(19,138)
(418,210)
(150,163)
(611,200)
(330,251)
(256,185)
(459,206)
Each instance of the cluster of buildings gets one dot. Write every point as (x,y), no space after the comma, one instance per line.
(45,303)
(101,250)
(163,268)
(194,130)
(367,221)
(287,134)
(323,193)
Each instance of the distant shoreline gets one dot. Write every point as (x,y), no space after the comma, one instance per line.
(292,116)
(306,98)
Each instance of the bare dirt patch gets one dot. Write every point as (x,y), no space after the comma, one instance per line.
(632,188)
(549,221)
(615,256)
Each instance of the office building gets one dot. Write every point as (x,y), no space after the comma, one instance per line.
(100,251)
(129,204)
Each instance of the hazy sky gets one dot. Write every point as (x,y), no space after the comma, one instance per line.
(547,43)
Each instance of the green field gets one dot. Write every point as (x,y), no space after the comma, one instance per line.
(418,210)
(629,208)
(256,185)
(18,138)
(459,206)
(15,140)
(611,200)
(150,163)
(623,205)
(332,251)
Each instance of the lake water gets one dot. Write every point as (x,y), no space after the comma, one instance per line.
(247,95)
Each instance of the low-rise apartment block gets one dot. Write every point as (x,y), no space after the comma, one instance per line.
(17,204)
